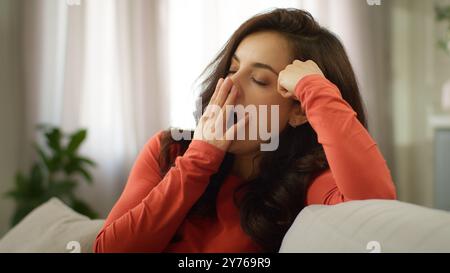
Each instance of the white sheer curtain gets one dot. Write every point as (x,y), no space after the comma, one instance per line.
(95,65)
(125,69)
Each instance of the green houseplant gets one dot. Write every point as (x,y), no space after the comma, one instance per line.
(56,173)
(443,15)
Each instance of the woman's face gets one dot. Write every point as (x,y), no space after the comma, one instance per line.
(254,71)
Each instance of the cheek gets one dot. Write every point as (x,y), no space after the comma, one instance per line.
(265,113)
(285,111)
(281,117)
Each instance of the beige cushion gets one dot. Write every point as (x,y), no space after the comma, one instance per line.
(52,227)
(368,226)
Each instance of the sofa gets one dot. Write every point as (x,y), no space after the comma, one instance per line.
(369,226)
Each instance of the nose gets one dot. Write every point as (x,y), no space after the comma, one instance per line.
(237,84)
(240,91)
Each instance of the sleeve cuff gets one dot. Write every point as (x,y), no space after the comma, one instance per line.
(208,153)
(305,81)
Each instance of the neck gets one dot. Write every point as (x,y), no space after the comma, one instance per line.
(246,166)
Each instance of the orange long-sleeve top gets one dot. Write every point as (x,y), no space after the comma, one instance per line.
(152,208)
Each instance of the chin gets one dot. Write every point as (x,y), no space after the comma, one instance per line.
(243,147)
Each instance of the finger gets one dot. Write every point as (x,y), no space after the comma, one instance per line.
(285,93)
(224,90)
(218,85)
(281,76)
(223,120)
(237,129)
(211,112)
(288,95)
(231,99)
(209,108)
(280,89)
(227,113)
(278,83)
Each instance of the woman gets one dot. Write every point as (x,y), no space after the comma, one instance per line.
(213,194)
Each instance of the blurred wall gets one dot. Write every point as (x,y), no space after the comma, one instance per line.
(419,70)
(10,103)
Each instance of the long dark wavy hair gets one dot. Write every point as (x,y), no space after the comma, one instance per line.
(276,196)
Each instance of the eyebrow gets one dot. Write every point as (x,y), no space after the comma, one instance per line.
(259,65)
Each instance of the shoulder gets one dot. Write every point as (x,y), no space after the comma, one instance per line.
(153,145)
(163,146)
(160,140)
(325,178)
(321,188)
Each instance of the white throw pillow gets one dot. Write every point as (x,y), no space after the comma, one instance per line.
(53,227)
(369,226)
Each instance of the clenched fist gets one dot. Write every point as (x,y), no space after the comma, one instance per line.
(292,74)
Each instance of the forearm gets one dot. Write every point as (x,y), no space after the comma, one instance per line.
(149,226)
(357,165)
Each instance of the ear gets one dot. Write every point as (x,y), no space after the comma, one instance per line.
(297,116)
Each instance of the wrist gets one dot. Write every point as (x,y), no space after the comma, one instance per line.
(210,155)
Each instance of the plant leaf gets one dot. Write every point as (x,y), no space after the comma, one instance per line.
(19,214)
(83,208)
(21,182)
(85,174)
(36,182)
(43,156)
(61,188)
(442,13)
(22,188)
(54,139)
(55,161)
(86,160)
(14,194)
(444,46)
(75,141)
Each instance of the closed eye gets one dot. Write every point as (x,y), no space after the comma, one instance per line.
(258,82)
(253,79)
